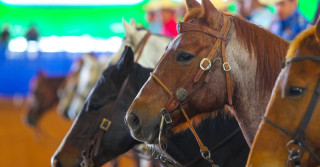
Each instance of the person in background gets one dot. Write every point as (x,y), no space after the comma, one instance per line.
(153,18)
(32,34)
(4,41)
(162,12)
(5,35)
(288,21)
(255,12)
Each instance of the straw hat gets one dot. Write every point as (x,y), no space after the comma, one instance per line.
(270,2)
(221,4)
(154,5)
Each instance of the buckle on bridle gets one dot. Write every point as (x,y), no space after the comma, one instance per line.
(208,66)
(105,124)
(226,69)
(294,147)
(205,153)
(167,118)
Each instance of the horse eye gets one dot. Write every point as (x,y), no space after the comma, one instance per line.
(295,91)
(184,57)
(94,107)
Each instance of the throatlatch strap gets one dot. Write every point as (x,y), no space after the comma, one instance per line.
(228,78)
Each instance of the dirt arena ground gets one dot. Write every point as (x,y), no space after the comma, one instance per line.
(20,146)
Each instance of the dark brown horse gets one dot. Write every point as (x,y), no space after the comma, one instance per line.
(43,96)
(239,63)
(290,129)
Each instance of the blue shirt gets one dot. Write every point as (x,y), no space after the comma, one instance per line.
(261,17)
(289,27)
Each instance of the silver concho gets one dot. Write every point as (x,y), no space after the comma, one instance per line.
(178,27)
(181,94)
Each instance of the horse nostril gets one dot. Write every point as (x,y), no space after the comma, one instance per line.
(133,121)
(56,163)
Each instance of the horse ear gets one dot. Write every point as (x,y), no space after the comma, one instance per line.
(133,22)
(210,12)
(42,75)
(318,30)
(129,29)
(192,4)
(125,64)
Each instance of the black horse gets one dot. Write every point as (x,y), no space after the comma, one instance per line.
(99,133)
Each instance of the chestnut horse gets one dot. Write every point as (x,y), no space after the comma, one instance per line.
(109,101)
(245,60)
(43,96)
(290,128)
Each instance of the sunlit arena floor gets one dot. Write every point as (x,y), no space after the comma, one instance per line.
(22,146)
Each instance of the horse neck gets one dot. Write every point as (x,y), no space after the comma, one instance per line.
(153,51)
(249,102)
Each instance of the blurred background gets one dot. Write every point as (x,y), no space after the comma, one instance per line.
(47,37)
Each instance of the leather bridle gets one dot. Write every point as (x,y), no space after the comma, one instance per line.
(183,94)
(297,143)
(93,148)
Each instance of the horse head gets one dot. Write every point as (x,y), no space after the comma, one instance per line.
(99,133)
(211,65)
(292,118)
(86,79)
(43,96)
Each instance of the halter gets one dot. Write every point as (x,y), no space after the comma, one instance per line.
(182,94)
(93,147)
(295,145)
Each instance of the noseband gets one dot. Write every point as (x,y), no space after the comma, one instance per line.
(295,145)
(183,94)
(93,147)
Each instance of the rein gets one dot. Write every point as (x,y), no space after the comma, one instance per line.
(295,145)
(180,96)
(93,147)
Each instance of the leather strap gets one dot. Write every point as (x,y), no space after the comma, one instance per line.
(141,44)
(227,69)
(184,27)
(310,110)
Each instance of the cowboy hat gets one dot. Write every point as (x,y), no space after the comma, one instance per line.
(221,4)
(270,2)
(154,5)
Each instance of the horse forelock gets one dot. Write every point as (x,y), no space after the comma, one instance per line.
(194,13)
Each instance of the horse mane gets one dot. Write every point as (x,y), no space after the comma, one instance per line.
(305,37)
(268,49)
